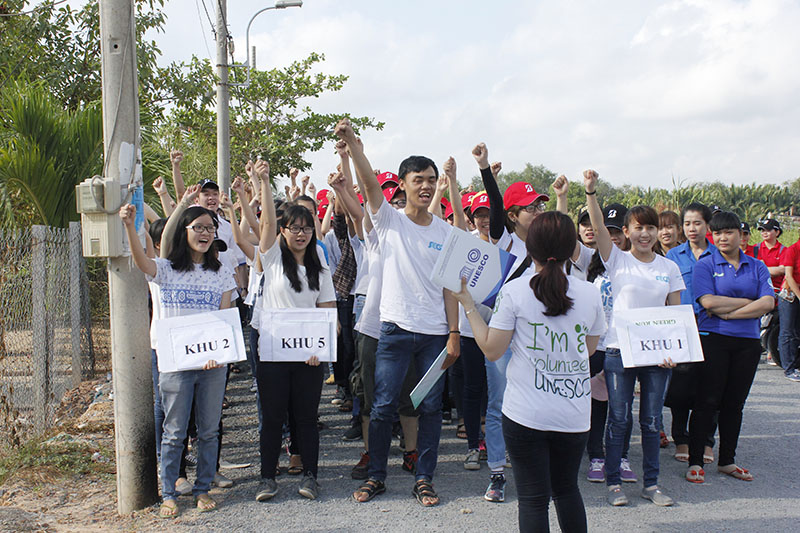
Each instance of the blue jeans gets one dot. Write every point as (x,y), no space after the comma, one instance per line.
(396,349)
(789,334)
(620,382)
(496,387)
(158,410)
(178,389)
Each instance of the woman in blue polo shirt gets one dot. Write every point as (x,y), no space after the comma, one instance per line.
(735,290)
(683,383)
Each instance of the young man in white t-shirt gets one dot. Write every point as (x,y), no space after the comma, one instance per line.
(418,319)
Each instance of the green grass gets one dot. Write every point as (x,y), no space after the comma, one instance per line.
(58,460)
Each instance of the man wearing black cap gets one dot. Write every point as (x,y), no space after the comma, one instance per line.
(748,249)
(770,251)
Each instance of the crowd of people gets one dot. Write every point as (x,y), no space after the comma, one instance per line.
(366,247)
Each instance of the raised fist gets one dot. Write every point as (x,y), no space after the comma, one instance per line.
(225,201)
(497,166)
(293,174)
(128,214)
(341,148)
(191,193)
(248,168)
(176,156)
(261,169)
(238,186)
(336,180)
(561,185)
(590,180)
(331,197)
(312,190)
(442,183)
(450,168)
(160,186)
(344,130)
(481,155)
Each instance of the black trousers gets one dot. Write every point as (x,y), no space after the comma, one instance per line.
(282,386)
(345,343)
(546,465)
(725,379)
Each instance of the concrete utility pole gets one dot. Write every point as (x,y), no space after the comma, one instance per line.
(253,67)
(223,97)
(130,342)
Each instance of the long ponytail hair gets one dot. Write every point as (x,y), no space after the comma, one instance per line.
(551,241)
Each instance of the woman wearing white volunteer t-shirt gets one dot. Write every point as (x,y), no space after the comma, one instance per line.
(294,276)
(552,323)
(639,278)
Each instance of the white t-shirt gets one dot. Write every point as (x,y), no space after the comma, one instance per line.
(548,385)
(187,293)
(155,298)
(409,252)
(278,292)
(517,247)
(636,284)
(581,266)
(369,322)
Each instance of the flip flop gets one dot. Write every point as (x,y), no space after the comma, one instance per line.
(461,431)
(737,472)
(169,510)
(695,474)
(682,457)
(205,503)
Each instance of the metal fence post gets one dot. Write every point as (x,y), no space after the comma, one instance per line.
(75,255)
(41,381)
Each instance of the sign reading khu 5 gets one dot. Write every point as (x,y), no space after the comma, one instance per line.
(295,335)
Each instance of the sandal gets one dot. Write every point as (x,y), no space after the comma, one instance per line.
(664,440)
(461,431)
(696,474)
(169,509)
(295,465)
(708,455)
(423,489)
(371,487)
(205,503)
(681,453)
(737,472)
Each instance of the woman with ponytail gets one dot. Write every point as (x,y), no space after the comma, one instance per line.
(552,323)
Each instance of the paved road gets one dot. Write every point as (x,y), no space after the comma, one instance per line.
(769,447)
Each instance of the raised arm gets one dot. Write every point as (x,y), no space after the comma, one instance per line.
(175,157)
(368,179)
(248,216)
(167,204)
(435,207)
(239,238)
(366,221)
(326,220)
(496,213)
(601,234)
(128,215)
(561,188)
(345,194)
(269,222)
(172,222)
(459,220)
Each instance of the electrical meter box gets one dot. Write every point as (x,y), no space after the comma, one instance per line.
(98,200)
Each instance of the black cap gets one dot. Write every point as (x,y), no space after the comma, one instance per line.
(770,224)
(715,209)
(745,227)
(614,216)
(583,215)
(208,184)
(221,246)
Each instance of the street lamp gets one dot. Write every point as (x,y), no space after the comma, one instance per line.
(279,4)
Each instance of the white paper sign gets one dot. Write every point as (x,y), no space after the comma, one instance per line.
(295,335)
(648,335)
(484,265)
(430,378)
(189,342)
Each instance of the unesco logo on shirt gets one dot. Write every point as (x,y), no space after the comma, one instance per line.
(473,255)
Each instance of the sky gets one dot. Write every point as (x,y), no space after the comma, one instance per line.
(645,92)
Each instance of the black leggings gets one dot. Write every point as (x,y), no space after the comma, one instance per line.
(725,379)
(546,463)
(281,385)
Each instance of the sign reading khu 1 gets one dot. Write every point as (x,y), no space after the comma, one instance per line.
(648,335)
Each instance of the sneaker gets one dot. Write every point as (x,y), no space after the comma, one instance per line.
(338,398)
(267,488)
(254,386)
(472,460)
(626,474)
(771,361)
(616,497)
(191,460)
(655,495)
(794,376)
(483,455)
(309,488)
(361,470)
(496,492)
(222,481)
(597,471)
(354,433)
(410,461)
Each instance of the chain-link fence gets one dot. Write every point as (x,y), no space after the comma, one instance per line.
(47,340)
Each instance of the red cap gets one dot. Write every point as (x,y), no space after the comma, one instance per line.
(449,211)
(322,196)
(360,199)
(391,177)
(321,209)
(523,194)
(445,202)
(390,193)
(466,200)
(478,201)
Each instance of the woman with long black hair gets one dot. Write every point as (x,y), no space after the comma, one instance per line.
(294,276)
(552,324)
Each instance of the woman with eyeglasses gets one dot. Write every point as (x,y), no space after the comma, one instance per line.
(294,277)
(191,280)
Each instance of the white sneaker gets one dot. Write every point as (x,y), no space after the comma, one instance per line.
(472,460)
(222,481)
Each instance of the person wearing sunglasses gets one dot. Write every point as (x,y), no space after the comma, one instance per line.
(294,276)
(191,280)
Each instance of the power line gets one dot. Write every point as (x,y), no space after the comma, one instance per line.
(200,16)
(35,9)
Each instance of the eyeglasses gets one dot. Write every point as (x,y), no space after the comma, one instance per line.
(480,215)
(295,230)
(539,207)
(199,228)
(398,203)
